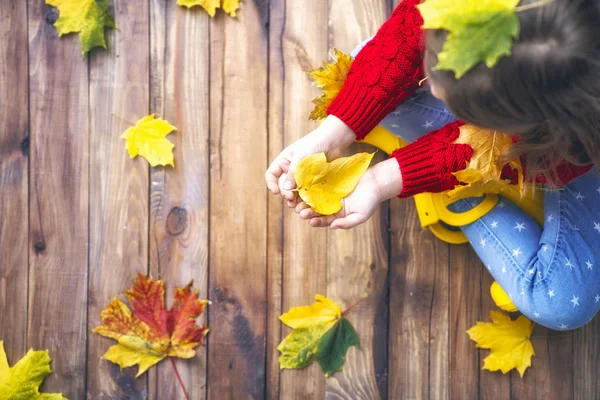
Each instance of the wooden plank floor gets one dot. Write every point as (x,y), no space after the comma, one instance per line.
(78,218)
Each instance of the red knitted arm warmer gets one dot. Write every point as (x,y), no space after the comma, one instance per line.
(385,73)
(428,163)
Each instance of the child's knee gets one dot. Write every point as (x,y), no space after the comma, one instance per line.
(562,318)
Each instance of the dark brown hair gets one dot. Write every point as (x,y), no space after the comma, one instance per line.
(547,92)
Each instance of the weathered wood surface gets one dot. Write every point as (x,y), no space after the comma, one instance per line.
(179,196)
(78,218)
(14,178)
(118,187)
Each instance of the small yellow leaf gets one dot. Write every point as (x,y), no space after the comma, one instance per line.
(330,77)
(320,334)
(147,138)
(322,185)
(508,341)
(22,380)
(229,6)
(321,312)
(88,17)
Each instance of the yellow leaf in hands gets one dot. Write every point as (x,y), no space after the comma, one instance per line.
(147,138)
(330,77)
(22,381)
(508,341)
(320,334)
(322,185)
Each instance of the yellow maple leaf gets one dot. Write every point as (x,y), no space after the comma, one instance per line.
(330,77)
(507,340)
(322,185)
(229,6)
(147,138)
(489,147)
(88,17)
(474,186)
(22,381)
(152,332)
(320,334)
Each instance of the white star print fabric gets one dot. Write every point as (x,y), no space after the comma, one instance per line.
(553,268)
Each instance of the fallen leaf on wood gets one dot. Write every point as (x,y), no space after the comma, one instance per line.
(320,334)
(151,333)
(88,17)
(22,381)
(210,6)
(330,77)
(147,138)
(322,185)
(508,341)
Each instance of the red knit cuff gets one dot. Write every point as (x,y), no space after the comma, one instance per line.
(362,107)
(427,164)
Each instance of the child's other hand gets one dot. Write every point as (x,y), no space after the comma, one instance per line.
(379,183)
(332,138)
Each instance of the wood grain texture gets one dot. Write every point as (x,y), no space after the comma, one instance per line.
(419,303)
(358,259)
(275,206)
(180,196)
(238,203)
(465,311)
(14,178)
(58,198)
(300,44)
(585,362)
(494,385)
(118,188)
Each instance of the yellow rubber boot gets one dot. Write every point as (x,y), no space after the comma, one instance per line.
(501,298)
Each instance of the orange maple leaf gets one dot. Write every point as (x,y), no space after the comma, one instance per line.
(152,332)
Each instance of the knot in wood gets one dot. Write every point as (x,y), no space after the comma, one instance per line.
(176,221)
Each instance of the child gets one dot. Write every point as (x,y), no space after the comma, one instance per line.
(546,93)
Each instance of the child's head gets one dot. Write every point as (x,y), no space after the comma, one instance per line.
(547,92)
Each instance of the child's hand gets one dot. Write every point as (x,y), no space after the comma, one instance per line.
(332,137)
(381,182)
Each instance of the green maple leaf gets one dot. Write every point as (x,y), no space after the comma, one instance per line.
(88,17)
(22,381)
(320,334)
(479,31)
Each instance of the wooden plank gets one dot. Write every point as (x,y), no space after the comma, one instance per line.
(180,196)
(586,350)
(275,206)
(358,259)
(494,385)
(298,43)
(118,188)
(465,311)
(238,203)
(14,178)
(58,199)
(536,383)
(419,304)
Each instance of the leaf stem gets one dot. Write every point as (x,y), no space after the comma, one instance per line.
(533,5)
(187,397)
(122,119)
(354,305)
